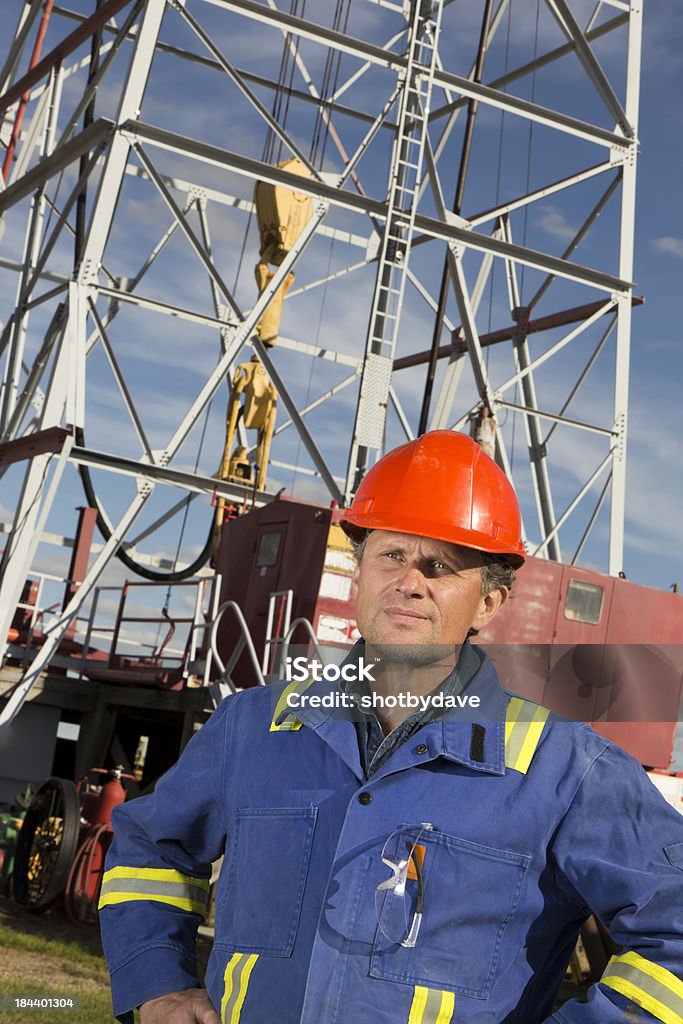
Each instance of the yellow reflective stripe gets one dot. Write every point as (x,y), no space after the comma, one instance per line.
(164,885)
(113,898)
(447,1008)
(655,971)
(237,974)
(648,984)
(514,708)
(431,1006)
(533,735)
(228,983)
(642,998)
(291,722)
(156,875)
(522,736)
(418,1005)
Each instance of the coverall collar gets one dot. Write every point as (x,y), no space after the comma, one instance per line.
(451,736)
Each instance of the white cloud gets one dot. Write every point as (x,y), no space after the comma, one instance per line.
(667,243)
(554,223)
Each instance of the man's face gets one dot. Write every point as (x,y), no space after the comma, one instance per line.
(420,594)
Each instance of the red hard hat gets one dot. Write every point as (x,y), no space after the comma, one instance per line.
(443,486)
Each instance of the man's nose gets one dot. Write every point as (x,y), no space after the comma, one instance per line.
(411,582)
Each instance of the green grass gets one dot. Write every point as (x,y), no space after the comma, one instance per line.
(94,1007)
(71,956)
(73,966)
(74,952)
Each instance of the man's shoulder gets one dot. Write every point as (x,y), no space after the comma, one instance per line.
(260,705)
(571,744)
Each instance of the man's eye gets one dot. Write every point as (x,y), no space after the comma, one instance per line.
(440,566)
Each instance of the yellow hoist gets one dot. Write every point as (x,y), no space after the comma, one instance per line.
(281,215)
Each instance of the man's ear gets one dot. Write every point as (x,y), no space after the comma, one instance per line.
(489,606)
(354,583)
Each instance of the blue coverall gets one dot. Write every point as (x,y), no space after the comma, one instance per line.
(535,822)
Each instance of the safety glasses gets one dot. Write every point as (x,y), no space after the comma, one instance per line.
(399,900)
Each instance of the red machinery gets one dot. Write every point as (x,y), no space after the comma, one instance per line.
(593,647)
(64,840)
(285,561)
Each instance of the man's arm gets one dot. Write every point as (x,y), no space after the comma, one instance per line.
(155,890)
(619,853)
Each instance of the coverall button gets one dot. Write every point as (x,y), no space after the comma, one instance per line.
(365,798)
(421,748)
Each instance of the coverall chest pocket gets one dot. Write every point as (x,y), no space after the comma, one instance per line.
(267,866)
(471,893)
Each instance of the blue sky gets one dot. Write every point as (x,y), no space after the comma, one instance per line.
(165,360)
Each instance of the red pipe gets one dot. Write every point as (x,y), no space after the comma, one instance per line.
(35,57)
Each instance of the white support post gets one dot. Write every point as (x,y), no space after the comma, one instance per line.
(623,342)
(32,243)
(532,428)
(23,540)
(115,164)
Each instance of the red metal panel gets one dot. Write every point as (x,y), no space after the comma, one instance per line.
(622,674)
(644,615)
(518,640)
(529,615)
(568,630)
(647,625)
(297,565)
(87,520)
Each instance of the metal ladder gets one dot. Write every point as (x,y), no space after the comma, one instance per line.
(406,174)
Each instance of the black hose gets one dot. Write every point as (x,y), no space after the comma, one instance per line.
(177,576)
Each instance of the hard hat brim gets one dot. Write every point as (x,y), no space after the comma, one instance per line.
(356,527)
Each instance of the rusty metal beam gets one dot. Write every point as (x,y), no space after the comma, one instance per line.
(43,441)
(541,323)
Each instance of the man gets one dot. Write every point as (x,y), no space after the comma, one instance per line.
(417,865)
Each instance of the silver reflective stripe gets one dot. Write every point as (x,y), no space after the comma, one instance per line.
(432,1009)
(185,890)
(431,1006)
(648,984)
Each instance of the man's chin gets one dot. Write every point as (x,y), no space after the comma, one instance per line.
(414,655)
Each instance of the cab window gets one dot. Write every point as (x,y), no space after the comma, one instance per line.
(583,602)
(269,544)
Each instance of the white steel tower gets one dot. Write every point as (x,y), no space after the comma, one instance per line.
(467,262)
